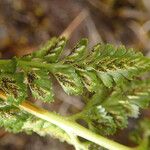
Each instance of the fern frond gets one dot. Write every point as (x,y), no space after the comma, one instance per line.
(51,50)
(80,70)
(14,120)
(109,110)
(113,65)
(14,87)
(105,64)
(106,74)
(40,85)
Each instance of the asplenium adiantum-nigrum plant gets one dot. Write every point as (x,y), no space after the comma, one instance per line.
(108,79)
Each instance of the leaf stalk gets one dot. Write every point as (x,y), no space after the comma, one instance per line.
(69,126)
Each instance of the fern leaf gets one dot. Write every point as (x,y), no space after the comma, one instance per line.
(54,53)
(51,50)
(105,74)
(104,64)
(78,52)
(14,87)
(40,85)
(8,66)
(115,65)
(69,80)
(89,79)
(114,106)
(14,120)
(11,118)
(43,50)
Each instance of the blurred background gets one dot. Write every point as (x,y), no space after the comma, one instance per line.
(25,24)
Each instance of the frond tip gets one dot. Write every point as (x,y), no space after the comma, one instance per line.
(105,64)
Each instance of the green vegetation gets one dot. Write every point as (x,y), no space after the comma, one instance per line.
(107,77)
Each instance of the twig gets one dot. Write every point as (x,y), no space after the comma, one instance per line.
(74,24)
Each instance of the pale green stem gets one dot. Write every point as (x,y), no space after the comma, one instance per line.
(72,127)
(78,145)
(34,64)
(69,126)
